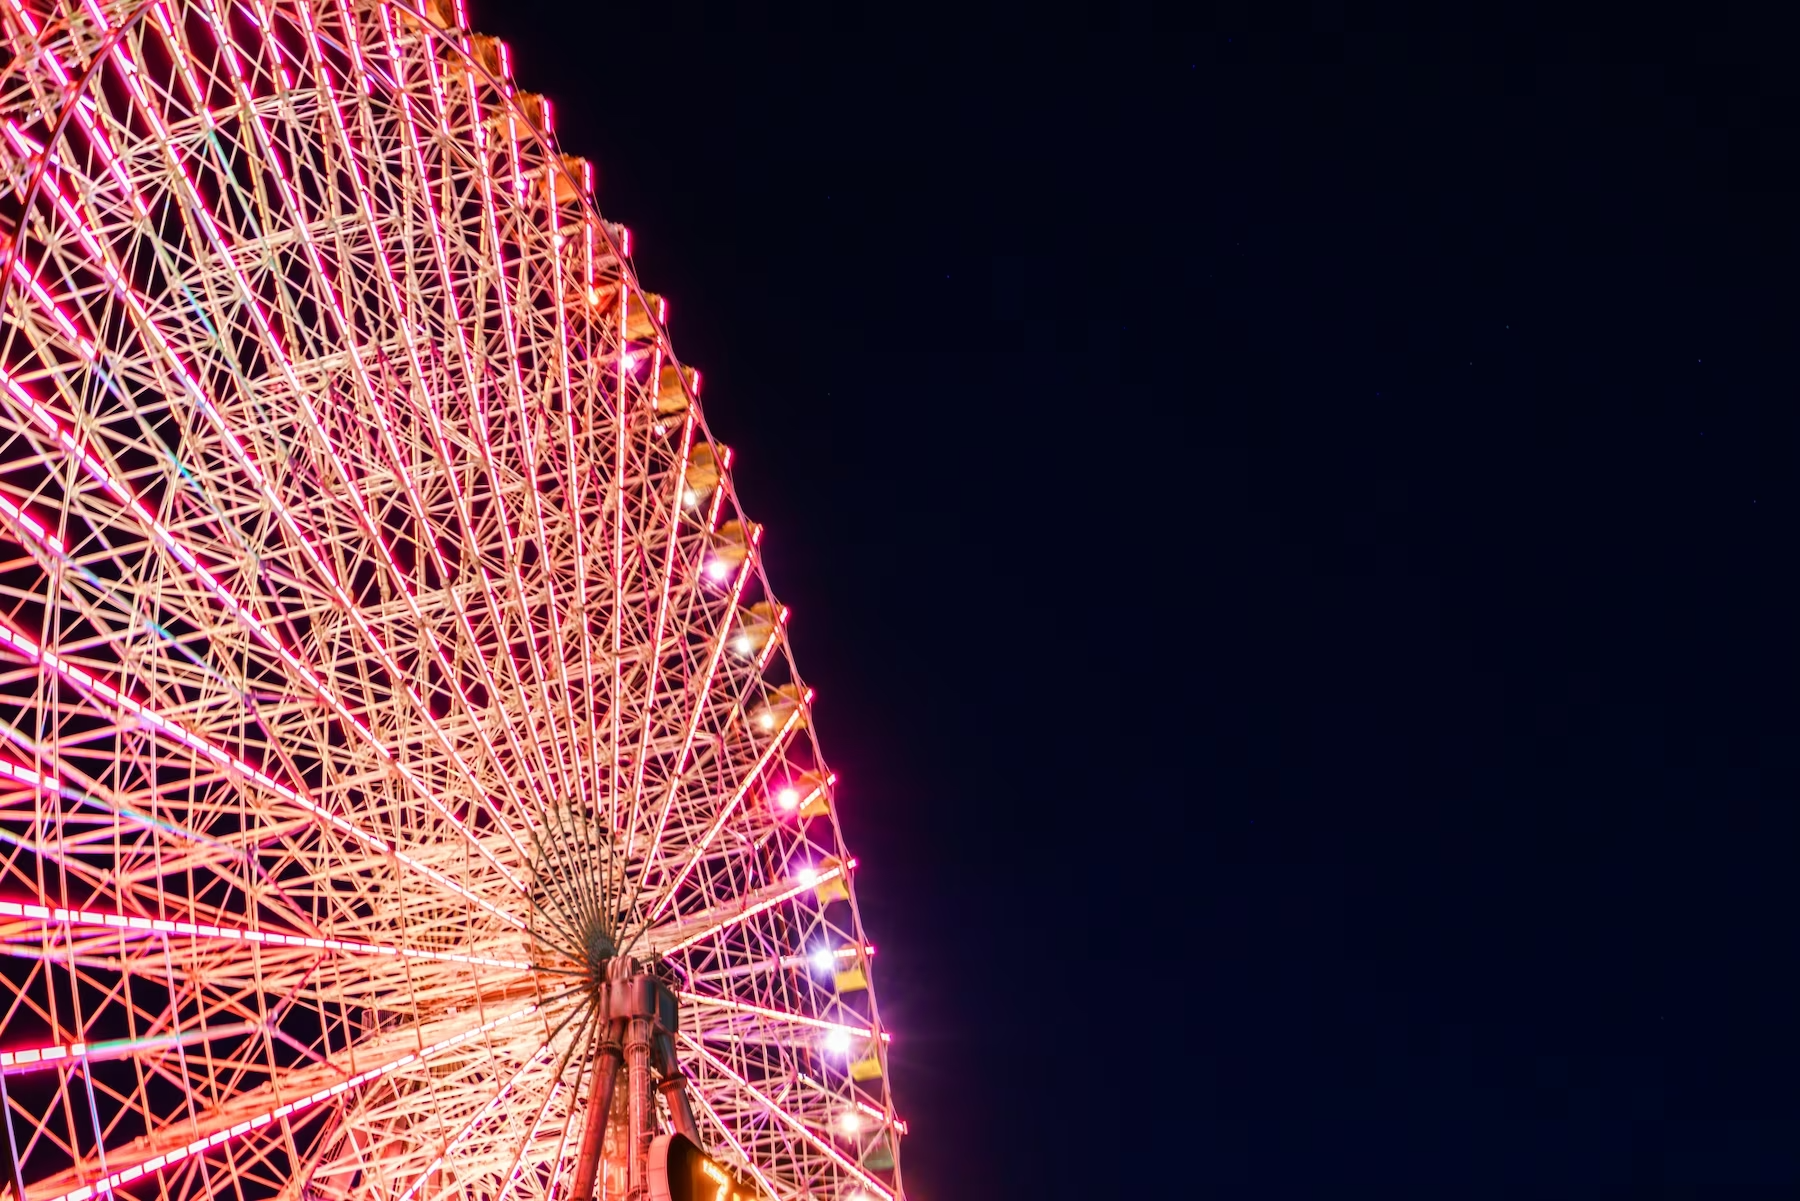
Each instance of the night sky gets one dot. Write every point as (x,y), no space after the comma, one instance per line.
(1294,536)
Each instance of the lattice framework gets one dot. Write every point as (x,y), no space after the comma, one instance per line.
(377,622)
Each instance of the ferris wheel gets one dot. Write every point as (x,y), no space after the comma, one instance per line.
(406,789)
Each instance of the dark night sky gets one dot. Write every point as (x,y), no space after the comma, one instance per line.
(1293,533)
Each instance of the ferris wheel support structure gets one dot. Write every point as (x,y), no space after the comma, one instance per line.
(407,790)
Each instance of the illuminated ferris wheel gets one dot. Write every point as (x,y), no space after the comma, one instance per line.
(406,790)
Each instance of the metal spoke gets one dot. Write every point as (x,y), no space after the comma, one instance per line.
(384,656)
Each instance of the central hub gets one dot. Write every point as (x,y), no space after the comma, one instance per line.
(597,950)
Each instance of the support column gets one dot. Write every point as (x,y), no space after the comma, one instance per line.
(643,1103)
(593,1134)
(674,1087)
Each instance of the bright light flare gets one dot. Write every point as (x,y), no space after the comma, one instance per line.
(823,960)
(837,1042)
(788,798)
(718,569)
(851,1122)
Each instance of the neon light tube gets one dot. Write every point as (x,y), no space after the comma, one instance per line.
(107,1184)
(91,919)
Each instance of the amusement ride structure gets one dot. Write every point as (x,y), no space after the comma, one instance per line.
(406,790)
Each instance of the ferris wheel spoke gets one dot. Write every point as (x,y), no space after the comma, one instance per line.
(212,937)
(743,1158)
(557,340)
(352,499)
(136,508)
(119,702)
(470,1128)
(518,314)
(675,937)
(730,1029)
(254,1112)
(583,1037)
(698,704)
(783,1117)
(656,638)
(196,206)
(403,324)
(509,353)
(726,812)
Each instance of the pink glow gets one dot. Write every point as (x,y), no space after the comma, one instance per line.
(35,1058)
(761,1011)
(77,919)
(469,1126)
(107,1184)
(792,1122)
(242,455)
(745,914)
(730,806)
(175,731)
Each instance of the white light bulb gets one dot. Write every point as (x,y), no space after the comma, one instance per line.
(787,798)
(690,498)
(851,1122)
(823,961)
(837,1042)
(807,876)
(767,721)
(743,645)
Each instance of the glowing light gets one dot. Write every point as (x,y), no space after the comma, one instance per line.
(766,721)
(852,1122)
(743,645)
(788,798)
(718,569)
(690,498)
(823,960)
(628,360)
(837,1042)
(107,1184)
(807,876)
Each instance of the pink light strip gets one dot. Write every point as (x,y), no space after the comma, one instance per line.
(753,910)
(91,919)
(107,1184)
(700,698)
(787,1118)
(662,614)
(34,1058)
(462,1135)
(328,288)
(188,559)
(743,1156)
(214,235)
(174,730)
(730,807)
(451,475)
(802,1019)
(518,393)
